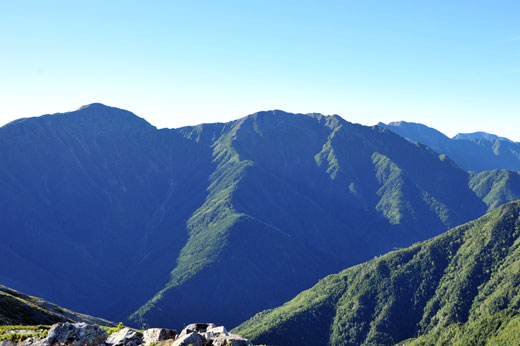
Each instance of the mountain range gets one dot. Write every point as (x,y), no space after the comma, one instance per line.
(477,152)
(460,288)
(108,215)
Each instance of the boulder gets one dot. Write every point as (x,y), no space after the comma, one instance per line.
(187,339)
(197,328)
(213,333)
(125,337)
(35,342)
(75,334)
(217,330)
(209,334)
(156,335)
(234,339)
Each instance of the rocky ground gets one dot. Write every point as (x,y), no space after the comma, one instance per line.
(83,334)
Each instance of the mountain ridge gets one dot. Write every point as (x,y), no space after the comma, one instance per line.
(481,135)
(478,151)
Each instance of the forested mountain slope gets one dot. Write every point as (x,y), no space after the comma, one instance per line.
(460,288)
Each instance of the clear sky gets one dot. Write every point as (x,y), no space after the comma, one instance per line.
(453,65)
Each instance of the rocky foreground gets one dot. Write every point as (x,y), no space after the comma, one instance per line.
(83,334)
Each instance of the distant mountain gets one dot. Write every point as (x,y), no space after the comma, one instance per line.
(460,288)
(481,135)
(19,309)
(414,131)
(476,152)
(105,214)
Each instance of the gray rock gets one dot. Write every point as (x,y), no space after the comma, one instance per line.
(156,335)
(217,330)
(125,337)
(236,340)
(35,342)
(197,328)
(213,333)
(75,334)
(209,334)
(187,339)
(82,334)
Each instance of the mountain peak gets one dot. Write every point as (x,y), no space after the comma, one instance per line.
(280,114)
(272,112)
(95,105)
(92,117)
(102,114)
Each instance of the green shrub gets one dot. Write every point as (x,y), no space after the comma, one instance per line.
(112,330)
(19,337)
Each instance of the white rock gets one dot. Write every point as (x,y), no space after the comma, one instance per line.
(156,335)
(125,337)
(217,330)
(75,334)
(192,338)
(197,327)
(236,340)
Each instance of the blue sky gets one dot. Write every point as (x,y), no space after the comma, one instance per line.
(453,65)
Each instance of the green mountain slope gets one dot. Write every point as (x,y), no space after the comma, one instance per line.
(496,187)
(474,152)
(19,309)
(460,288)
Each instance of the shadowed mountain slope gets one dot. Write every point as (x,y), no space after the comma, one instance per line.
(94,206)
(216,221)
(460,288)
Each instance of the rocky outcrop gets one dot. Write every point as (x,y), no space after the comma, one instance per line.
(234,339)
(209,334)
(196,328)
(189,339)
(82,334)
(75,334)
(125,337)
(157,336)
